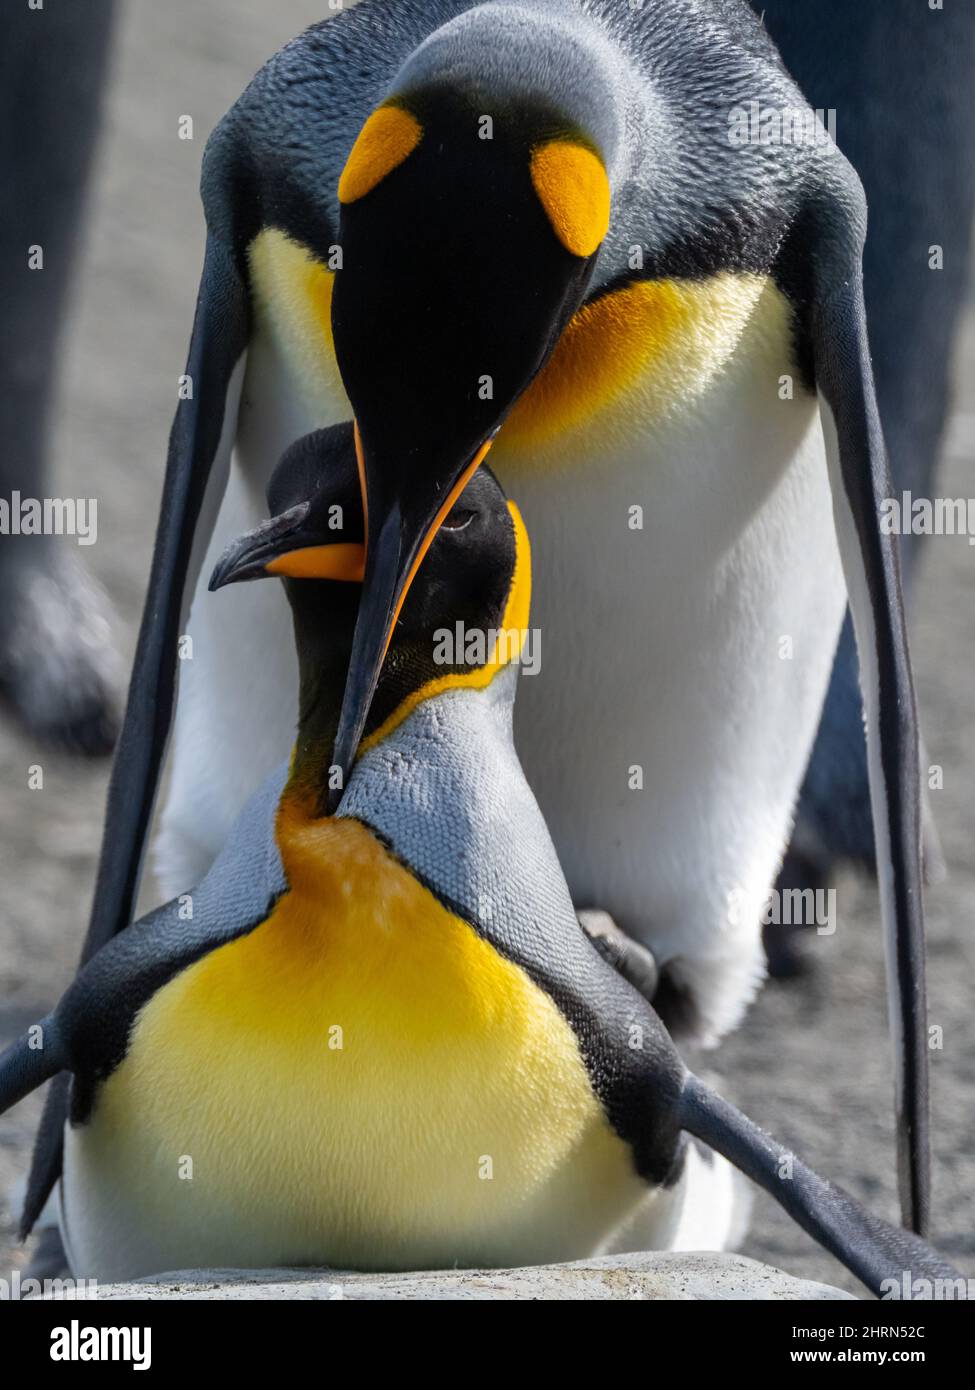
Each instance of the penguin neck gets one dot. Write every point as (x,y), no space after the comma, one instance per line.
(324,621)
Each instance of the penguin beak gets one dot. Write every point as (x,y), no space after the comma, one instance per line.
(400,528)
(288,546)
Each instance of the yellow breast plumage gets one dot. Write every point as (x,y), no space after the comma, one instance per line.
(361,1080)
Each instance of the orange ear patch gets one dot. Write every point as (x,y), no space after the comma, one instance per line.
(388,137)
(573,188)
(343,561)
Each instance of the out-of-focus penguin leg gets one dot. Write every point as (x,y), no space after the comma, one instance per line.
(58,666)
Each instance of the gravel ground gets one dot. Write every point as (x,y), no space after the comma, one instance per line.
(811,1062)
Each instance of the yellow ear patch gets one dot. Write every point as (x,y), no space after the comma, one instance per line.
(573,188)
(344,562)
(388,137)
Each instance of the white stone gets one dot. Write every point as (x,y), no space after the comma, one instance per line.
(647,1276)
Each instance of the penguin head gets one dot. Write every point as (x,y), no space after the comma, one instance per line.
(315,529)
(474,581)
(467,247)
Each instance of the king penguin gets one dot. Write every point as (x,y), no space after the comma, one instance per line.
(555,230)
(379,1038)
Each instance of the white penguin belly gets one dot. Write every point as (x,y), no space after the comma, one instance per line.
(684,665)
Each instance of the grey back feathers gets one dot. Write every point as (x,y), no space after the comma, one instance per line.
(654,87)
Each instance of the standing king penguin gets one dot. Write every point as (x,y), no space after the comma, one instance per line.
(554,228)
(379,1039)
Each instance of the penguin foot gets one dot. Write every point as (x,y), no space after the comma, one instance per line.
(784,954)
(629,957)
(59,669)
(677,1007)
(673,999)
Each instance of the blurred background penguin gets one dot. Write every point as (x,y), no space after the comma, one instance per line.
(58,670)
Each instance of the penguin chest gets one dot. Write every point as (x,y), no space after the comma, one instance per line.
(685,393)
(360,1082)
(671,471)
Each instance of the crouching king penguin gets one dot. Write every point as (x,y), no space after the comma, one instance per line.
(610,245)
(379,1038)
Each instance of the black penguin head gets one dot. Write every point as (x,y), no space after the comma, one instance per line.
(315,529)
(466,249)
(475,578)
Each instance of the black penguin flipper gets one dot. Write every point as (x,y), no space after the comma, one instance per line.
(878,1253)
(34,1058)
(219,339)
(220,333)
(48,1155)
(860,482)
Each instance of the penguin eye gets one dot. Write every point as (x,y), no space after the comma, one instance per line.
(458,520)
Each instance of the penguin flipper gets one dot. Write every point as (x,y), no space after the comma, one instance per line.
(48,1157)
(860,483)
(878,1253)
(200,443)
(34,1058)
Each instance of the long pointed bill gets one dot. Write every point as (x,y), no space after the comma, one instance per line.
(288,546)
(248,556)
(395,547)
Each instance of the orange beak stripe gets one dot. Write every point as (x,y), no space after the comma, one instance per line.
(361,461)
(344,561)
